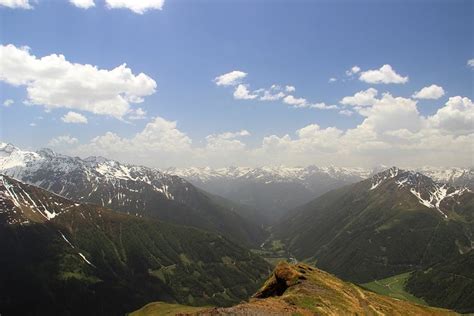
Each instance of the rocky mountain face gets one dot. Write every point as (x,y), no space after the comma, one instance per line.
(301,289)
(136,190)
(394,222)
(61,257)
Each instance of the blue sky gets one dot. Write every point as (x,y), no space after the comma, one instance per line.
(187,44)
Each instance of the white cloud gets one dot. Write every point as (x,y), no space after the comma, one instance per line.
(470,63)
(8,102)
(361,98)
(274,93)
(74,118)
(331,80)
(352,71)
(160,141)
(296,102)
(290,89)
(383,75)
(138,114)
(268,96)
(137,6)
(346,112)
(392,132)
(54,82)
(16,4)
(32,124)
(232,78)
(323,106)
(242,93)
(303,103)
(433,92)
(457,116)
(83,4)
(230,135)
(225,142)
(61,141)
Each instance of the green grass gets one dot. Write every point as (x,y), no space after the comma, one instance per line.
(165,309)
(277,245)
(273,252)
(394,287)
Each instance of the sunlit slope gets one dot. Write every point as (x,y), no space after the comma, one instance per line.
(304,290)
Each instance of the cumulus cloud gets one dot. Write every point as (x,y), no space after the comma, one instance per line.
(83,4)
(159,142)
(8,102)
(290,89)
(361,98)
(303,103)
(392,132)
(137,114)
(225,142)
(352,71)
(470,63)
(456,117)
(137,6)
(323,106)
(385,74)
(74,118)
(346,112)
(296,102)
(61,141)
(54,82)
(16,4)
(232,78)
(274,93)
(432,92)
(241,92)
(268,96)
(331,80)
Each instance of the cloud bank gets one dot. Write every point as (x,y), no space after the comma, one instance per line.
(54,82)
(392,132)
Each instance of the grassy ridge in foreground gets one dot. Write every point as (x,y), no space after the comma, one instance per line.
(303,290)
(166,309)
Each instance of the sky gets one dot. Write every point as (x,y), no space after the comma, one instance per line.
(238,82)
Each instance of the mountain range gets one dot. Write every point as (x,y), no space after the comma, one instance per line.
(61,257)
(96,230)
(272,191)
(138,190)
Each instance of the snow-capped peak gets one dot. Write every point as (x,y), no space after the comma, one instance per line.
(427,191)
(269,174)
(382,176)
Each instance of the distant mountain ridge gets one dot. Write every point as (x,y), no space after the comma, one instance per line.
(137,190)
(273,191)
